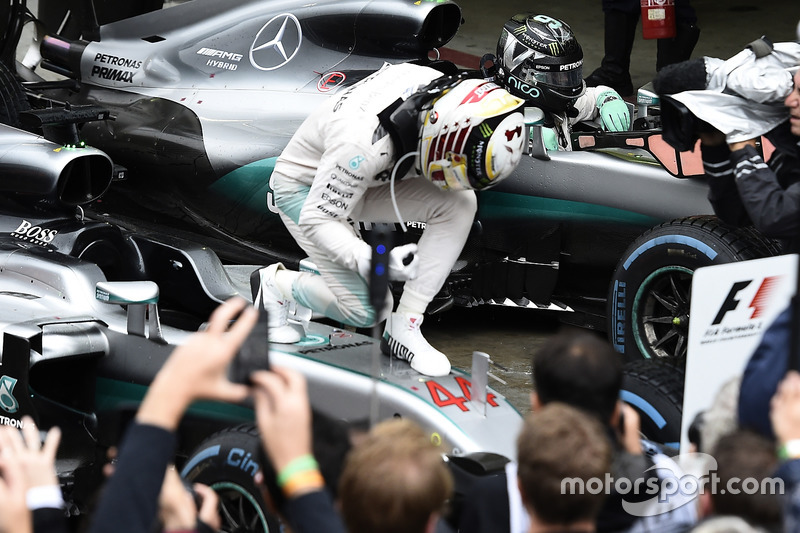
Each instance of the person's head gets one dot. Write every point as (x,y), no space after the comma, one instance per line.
(746,461)
(539,59)
(580,369)
(471,136)
(394,481)
(793,103)
(558,443)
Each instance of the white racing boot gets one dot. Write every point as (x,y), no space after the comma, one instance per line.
(403,339)
(277,307)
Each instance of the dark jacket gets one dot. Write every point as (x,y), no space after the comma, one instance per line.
(744,190)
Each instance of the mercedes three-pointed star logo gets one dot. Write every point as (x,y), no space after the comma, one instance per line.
(276,43)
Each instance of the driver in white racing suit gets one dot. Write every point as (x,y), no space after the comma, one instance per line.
(406,143)
(540,60)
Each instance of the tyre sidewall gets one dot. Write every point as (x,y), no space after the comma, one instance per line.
(671,249)
(657,398)
(229,461)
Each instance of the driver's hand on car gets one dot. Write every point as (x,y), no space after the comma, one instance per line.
(403,262)
(198,368)
(614,112)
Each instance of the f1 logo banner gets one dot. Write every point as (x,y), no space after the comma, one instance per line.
(732,305)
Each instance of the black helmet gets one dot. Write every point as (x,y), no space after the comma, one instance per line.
(539,59)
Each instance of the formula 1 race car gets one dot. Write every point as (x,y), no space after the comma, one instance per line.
(90,311)
(198,100)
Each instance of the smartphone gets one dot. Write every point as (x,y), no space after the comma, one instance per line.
(254,353)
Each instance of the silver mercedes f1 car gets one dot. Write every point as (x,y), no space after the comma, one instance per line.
(200,99)
(89,311)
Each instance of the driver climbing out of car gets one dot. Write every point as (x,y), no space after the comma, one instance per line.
(406,144)
(540,60)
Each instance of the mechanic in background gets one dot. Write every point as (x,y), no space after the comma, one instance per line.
(540,60)
(620,20)
(406,143)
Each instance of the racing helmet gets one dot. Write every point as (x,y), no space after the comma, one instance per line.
(472,136)
(539,59)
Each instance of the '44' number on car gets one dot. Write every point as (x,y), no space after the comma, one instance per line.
(443,397)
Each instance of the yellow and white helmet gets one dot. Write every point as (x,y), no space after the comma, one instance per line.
(472,136)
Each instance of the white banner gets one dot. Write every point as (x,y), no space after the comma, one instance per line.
(732,306)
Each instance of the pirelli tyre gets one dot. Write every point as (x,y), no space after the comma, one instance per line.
(227,461)
(655,389)
(650,292)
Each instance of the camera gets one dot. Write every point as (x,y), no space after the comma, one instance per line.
(681,127)
(253,354)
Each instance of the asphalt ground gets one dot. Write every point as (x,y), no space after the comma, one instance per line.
(509,336)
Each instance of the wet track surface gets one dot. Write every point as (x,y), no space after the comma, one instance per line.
(510,337)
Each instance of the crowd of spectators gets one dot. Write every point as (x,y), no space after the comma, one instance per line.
(394,479)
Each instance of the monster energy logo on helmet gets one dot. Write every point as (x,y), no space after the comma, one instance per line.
(485,130)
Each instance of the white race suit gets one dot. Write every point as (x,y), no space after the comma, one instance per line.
(336,170)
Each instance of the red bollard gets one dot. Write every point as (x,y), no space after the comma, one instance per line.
(658,19)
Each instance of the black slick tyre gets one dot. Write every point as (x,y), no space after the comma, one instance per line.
(650,292)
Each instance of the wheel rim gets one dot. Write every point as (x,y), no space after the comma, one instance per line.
(660,318)
(239,511)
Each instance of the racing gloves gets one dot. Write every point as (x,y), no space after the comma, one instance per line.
(614,113)
(403,262)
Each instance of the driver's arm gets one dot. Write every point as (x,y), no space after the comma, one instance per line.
(606,103)
(343,176)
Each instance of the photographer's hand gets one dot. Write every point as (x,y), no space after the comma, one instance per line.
(177,509)
(14,514)
(38,461)
(739,145)
(198,368)
(209,506)
(283,414)
(712,138)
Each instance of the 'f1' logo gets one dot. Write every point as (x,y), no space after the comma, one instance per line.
(759,303)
